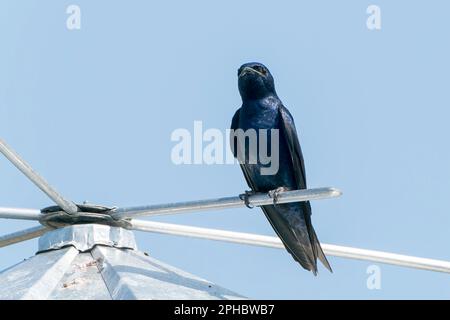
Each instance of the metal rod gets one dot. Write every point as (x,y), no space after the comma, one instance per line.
(22,235)
(19,213)
(258,199)
(274,242)
(11,155)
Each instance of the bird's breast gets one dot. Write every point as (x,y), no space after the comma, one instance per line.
(268,146)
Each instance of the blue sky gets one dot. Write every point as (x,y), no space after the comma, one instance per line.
(93,110)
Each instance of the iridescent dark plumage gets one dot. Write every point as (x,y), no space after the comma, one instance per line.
(262,109)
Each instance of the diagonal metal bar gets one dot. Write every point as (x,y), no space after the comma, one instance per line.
(20,213)
(25,168)
(274,242)
(22,235)
(258,199)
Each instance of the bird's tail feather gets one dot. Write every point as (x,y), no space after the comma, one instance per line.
(319,251)
(297,243)
(317,248)
(301,242)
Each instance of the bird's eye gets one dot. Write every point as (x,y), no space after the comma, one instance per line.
(260,69)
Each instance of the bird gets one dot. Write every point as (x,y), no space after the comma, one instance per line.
(262,109)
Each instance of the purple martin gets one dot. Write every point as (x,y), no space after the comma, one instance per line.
(262,109)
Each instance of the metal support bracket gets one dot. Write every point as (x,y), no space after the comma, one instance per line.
(55,217)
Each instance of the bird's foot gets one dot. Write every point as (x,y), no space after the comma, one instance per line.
(245,197)
(275,193)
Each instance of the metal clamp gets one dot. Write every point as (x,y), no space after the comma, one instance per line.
(55,217)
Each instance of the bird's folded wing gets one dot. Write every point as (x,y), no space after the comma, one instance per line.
(290,134)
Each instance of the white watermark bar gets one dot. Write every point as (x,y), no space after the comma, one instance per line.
(22,235)
(274,242)
(20,213)
(25,168)
(258,199)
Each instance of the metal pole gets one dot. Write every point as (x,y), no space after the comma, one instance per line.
(274,242)
(258,199)
(22,235)
(11,155)
(19,213)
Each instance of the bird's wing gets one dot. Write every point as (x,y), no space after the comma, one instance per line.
(293,234)
(234,126)
(293,230)
(234,148)
(289,132)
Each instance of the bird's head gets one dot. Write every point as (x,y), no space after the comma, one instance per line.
(255,81)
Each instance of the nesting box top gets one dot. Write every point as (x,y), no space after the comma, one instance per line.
(100,262)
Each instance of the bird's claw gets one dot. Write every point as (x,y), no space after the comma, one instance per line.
(245,197)
(274,194)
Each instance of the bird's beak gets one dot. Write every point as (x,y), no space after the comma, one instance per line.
(249,70)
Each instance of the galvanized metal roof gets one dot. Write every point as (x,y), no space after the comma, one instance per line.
(100,262)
